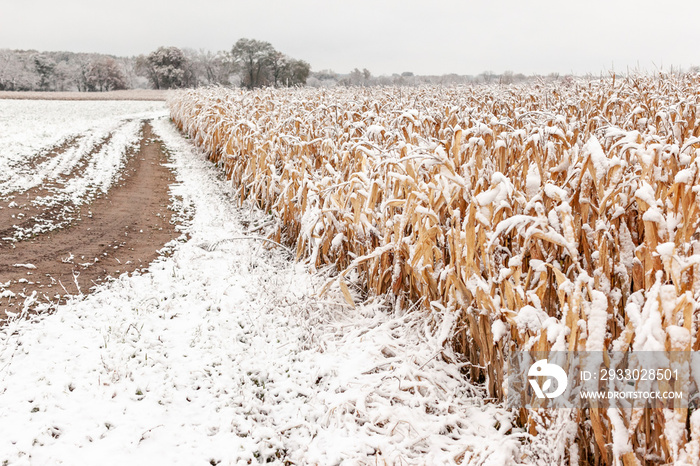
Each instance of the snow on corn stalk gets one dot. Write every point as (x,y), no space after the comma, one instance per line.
(540,217)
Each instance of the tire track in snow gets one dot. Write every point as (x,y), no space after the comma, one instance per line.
(26,208)
(118,232)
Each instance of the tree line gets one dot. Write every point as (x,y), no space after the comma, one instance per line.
(250,63)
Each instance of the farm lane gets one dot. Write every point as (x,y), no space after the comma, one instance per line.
(20,213)
(119,232)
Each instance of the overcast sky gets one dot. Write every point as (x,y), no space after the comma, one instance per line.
(385,36)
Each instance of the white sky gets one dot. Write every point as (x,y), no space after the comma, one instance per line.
(385,36)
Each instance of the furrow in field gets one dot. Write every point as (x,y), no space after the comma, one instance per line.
(33,132)
(70,180)
(28,210)
(22,173)
(122,230)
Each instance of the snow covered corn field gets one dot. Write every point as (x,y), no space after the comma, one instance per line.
(551,217)
(223,350)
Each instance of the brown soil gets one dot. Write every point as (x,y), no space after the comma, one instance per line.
(120,232)
(25,214)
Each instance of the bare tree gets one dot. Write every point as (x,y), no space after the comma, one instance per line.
(486,76)
(133,79)
(358,78)
(278,67)
(210,68)
(507,77)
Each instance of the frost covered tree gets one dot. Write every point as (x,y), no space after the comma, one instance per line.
(132,78)
(209,68)
(166,68)
(250,63)
(278,64)
(64,76)
(44,67)
(29,70)
(16,72)
(323,78)
(104,75)
(253,58)
(261,65)
(296,73)
(286,71)
(486,76)
(358,78)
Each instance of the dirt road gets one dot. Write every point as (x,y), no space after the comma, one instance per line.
(119,232)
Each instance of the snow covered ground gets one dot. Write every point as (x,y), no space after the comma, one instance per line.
(90,140)
(224,354)
(28,128)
